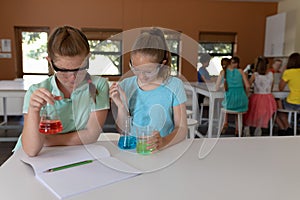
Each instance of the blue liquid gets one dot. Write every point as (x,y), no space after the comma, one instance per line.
(127,142)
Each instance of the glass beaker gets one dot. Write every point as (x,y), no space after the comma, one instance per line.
(50,122)
(127,140)
(143,136)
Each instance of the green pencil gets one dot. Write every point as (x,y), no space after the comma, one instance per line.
(69,166)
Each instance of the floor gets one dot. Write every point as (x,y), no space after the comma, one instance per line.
(7,147)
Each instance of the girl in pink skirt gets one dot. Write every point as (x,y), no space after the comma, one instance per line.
(262,104)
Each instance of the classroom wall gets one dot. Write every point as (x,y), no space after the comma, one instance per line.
(190,17)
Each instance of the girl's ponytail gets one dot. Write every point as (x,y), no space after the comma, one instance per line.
(92,88)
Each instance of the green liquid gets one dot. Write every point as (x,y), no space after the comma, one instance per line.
(141,148)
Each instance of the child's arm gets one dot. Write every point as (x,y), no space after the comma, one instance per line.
(252,79)
(204,79)
(179,132)
(119,100)
(219,80)
(87,135)
(282,84)
(32,140)
(246,82)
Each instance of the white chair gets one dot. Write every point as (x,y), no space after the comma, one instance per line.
(192,125)
(202,105)
(222,117)
(290,113)
(109,137)
(189,113)
(271,124)
(201,118)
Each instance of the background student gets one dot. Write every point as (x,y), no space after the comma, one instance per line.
(249,71)
(276,66)
(225,62)
(152,97)
(235,62)
(203,75)
(262,104)
(236,89)
(291,78)
(81,100)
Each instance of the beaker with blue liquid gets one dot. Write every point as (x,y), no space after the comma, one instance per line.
(127,139)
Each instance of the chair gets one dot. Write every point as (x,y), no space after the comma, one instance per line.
(192,125)
(271,124)
(201,118)
(189,113)
(290,113)
(222,116)
(205,103)
(109,137)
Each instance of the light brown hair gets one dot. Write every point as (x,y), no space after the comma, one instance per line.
(261,65)
(70,41)
(153,43)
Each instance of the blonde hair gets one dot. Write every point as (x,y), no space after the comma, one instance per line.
(153,43)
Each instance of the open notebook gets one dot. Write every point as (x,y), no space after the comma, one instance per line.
(103,169)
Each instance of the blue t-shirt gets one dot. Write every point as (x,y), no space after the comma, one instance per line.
(154,108)
(203,72)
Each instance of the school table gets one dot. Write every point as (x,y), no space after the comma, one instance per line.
(11,89)
(208,90)
(208,168)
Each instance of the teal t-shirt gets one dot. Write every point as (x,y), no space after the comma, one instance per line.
(73,112)
(154,107)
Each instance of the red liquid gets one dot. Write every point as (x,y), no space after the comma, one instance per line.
(50,126)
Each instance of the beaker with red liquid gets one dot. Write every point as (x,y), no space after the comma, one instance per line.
(50,122)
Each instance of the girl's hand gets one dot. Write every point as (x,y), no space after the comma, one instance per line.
(155,142)
(41,97)
(117,95)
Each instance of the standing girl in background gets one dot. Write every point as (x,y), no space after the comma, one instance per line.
(152,97)
(236,87)
(262,104)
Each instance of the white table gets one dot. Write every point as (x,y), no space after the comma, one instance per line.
(208,89)
(11,89)
(236,168)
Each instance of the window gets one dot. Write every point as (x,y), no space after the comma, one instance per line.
(106,50)
(31,47)
(173,42)
(218,45)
